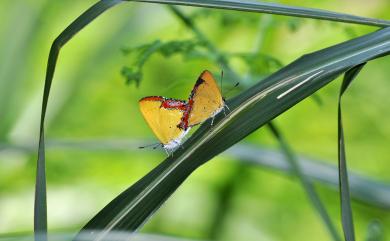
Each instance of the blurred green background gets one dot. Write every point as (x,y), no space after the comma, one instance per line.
(94,125)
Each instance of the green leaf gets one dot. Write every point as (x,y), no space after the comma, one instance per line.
(132,74)
(257,59)
(346,210)
(274,8)
(249,111)
(187,48)
(259,64)
(40,219)
(117,236)
(40,206)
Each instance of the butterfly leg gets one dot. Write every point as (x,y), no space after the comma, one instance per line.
(227,107)
(212,120)
(154,146)
(169,152)
(179,145)
(224,112)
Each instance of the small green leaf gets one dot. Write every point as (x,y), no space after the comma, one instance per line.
(142,53)
(132,74)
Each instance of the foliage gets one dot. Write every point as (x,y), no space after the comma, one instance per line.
(280,88)
(187,48)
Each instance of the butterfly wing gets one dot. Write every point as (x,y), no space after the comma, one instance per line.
(205,100)
(162,119)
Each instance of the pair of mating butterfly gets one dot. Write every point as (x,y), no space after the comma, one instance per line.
(171,119)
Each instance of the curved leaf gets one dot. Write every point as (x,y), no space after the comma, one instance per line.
(249,111)
(289,155)
(40,206)
(274,8)
(40,219)
(346,210)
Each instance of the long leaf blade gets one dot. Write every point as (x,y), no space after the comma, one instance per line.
(313,197)
(274,8)
(346,210)
(40,202)
(249,111)
(40,219)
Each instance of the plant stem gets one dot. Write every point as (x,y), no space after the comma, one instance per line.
(306,183)
(226,193)
(220,58)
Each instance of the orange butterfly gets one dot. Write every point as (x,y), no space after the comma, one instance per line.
(171,119)
(205,101)
(163,115)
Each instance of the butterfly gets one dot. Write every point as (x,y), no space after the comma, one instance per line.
(204,102)
(171,119)
(163,115)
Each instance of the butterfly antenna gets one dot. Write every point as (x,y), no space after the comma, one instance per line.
(232,88)
(154,146)
(226,106)
(157,145)
(221,81)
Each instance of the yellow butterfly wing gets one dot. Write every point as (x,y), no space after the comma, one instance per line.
(206,99)
(163,122)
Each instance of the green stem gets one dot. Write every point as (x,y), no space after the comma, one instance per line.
(306,183)
(220,58)
(225,198)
